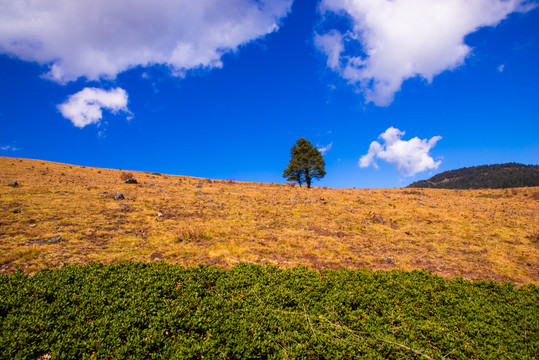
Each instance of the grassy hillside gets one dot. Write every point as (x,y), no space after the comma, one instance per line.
(476,234)
(501,176)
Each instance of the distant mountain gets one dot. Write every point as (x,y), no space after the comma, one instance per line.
(487,176)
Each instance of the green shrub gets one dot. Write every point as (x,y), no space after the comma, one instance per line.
(163,311)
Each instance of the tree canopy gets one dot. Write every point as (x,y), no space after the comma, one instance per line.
(306,163)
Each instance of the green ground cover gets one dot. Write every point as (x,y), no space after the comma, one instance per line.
(162,311)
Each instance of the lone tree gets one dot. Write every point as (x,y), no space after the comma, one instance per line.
(306,163)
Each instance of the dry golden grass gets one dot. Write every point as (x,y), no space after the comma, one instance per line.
(477,234)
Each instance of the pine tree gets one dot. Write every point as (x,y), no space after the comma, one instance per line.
(306,163)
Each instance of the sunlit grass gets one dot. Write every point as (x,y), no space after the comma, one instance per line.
(477,234)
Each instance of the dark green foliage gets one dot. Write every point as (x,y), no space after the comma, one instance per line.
(162,311)
(484,177)
(306,163)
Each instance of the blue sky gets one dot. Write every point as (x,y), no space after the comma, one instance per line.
(437,84)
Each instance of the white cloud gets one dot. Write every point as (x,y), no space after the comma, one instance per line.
(85,107)
(408,156)
(401,39)
(501,67)
(332,45)
(101,38)
(9,148)
(324,149)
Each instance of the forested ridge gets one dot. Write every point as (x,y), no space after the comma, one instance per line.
(497,176)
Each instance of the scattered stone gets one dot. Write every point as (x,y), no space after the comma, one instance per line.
(433,207)
(126,207)
(387,260)
(131,181)
(52,240)
(159,214)
(199,186)
(239,213)
(16,211)
(183,207)
(378,219)
(494,277)
(119,196)
(13,184)
(222,204)
(156,256)
(33,225)
(419,203)
(211,200)
(151,185)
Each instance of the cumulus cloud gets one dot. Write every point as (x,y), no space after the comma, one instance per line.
(409,156)
(85,107)
(324,149)
(101,38)
(402,39)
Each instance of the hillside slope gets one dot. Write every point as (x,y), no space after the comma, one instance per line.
(477,234)
(499,176)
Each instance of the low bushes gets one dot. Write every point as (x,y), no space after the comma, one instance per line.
(162,311)
(126,175)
